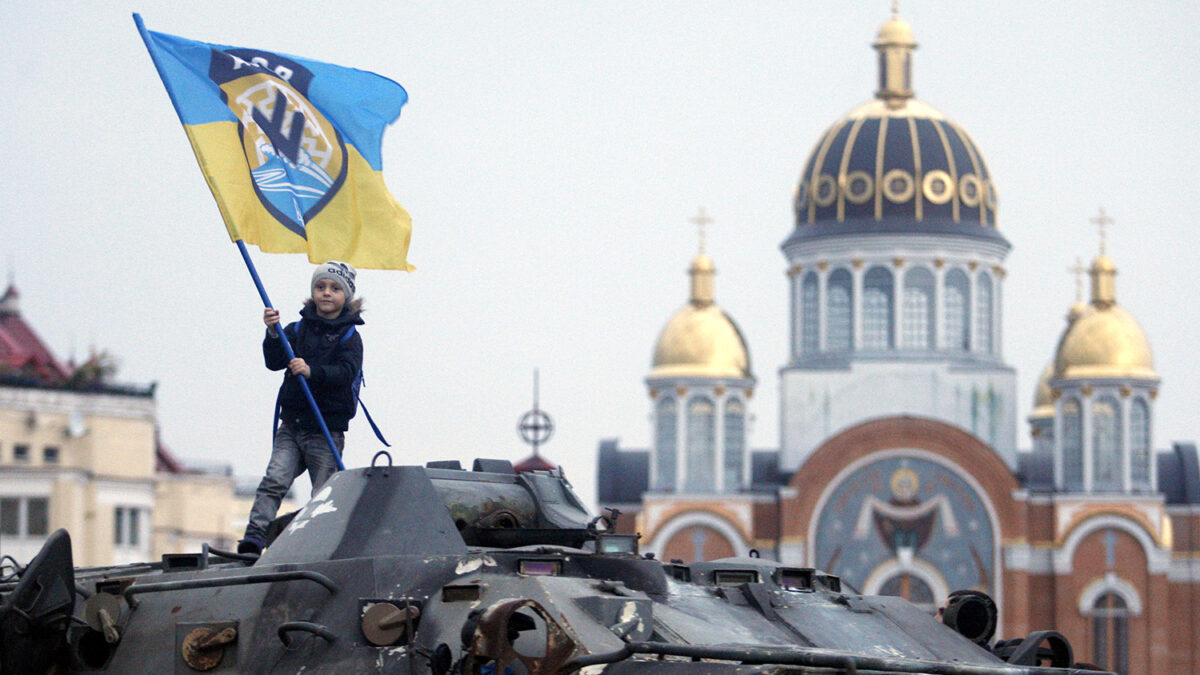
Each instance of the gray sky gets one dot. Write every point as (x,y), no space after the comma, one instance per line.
(551,155)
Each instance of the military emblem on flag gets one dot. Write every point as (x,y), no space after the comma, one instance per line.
(290,148)
(296,157)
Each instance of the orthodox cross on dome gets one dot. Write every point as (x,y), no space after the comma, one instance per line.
(1102,221)
(535,426)
(1078,270)
(895,7)
(701,221)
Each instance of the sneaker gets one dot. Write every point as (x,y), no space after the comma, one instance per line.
(251,544)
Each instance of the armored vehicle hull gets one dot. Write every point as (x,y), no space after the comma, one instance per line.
(440,570)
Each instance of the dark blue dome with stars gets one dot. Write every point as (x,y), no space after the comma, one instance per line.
(895,165)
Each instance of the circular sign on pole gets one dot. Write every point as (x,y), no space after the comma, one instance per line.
(535,427)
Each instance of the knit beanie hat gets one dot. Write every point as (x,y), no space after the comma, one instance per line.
(340,273)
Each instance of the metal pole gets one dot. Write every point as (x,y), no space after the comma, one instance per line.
(287,349)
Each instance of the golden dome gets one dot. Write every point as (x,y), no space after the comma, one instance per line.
(1102,339)
(1104,342)
(1043,397)
(700,340)
(895,32)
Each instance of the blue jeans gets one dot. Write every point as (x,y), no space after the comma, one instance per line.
(295,450)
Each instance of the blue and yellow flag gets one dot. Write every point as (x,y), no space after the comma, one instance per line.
(290,148)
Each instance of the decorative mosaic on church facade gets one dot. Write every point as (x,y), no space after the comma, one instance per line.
(907,526)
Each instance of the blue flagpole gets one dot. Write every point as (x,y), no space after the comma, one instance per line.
(287,349)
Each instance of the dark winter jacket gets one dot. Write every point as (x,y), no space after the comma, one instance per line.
(334,362)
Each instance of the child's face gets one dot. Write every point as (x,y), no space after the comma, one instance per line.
(329,299)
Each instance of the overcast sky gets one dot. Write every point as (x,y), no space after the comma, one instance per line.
(551,155)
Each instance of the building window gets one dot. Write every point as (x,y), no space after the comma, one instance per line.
(1072,444)
(1106,445)
(664,442)
(877,309)
(1139,445)
(701,438)
(1110,633)
(127,526)
(21,453)
(10,516)
(957,315)
(809,315)
(983,314)
(50,455)
(24,516)
(839,324)
(912,589)
(917,326)
(735,443)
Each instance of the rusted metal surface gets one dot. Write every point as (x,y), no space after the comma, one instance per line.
(492,641)
(384,623)
(203,648)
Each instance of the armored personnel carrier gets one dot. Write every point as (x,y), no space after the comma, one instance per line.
(440,570)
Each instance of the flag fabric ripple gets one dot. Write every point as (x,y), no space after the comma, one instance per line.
(290,148)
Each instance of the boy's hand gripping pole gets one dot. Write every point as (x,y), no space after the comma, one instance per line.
(287,349)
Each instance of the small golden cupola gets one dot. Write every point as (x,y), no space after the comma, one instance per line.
(1103,388)
(700,340)
(895,44)
(1102,340)
(700,384)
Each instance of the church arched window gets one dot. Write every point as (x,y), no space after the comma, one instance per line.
(983,313)
(1106,444)
(809,314)
(1072,445)
(913,589)
(1139,445)
(877,309)
(1110,632)
(956,312)
(735,443)
(701,444)
(665,424)
(839,305)
(917,324)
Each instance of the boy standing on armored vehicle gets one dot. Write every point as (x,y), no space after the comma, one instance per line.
(329,355)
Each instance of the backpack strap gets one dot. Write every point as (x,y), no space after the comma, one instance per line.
(358,382)
(374,427)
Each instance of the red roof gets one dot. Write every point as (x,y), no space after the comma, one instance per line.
(21,349)
(534,462)
(165,461)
